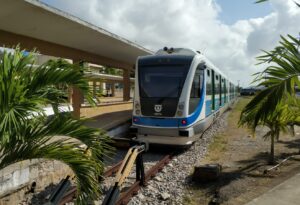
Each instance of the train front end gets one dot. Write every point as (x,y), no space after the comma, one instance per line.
(161,105)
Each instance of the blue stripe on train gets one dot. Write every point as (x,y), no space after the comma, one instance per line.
(156,122)
(176,122)
(172,122)
(217,103)
(208,108)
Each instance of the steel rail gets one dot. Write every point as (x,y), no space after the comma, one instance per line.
(71,194)
(133,190)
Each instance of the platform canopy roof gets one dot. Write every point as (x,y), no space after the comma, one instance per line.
(33,24)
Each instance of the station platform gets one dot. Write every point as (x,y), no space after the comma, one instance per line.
(111,100)
(108,116)
(287,193)
(104,101)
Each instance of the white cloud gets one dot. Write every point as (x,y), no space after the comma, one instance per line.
(194,23)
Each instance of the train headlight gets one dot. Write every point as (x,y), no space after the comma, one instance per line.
(180,106)
(137,112)
(137,105)
(179,113)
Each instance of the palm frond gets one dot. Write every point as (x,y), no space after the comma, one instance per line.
(279,79)
(26,89)
(260,1)
(85,169)
(26,132)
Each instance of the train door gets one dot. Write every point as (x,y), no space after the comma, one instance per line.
(217,91)
(209,93)
(225,92)
(220,91)
(213,100)
(230,91)
(196,89)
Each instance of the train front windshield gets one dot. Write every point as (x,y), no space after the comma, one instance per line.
(160,84)
(161,81)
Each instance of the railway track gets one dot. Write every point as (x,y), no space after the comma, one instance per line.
(133,190)
(130,191)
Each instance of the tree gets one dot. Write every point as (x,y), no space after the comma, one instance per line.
(27,133)
(276,107)
(280,79)
(261,1)
(282,119)
(113,71)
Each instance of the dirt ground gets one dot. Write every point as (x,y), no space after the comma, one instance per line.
(244,159)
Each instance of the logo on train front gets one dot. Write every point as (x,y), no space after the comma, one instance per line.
(157,108)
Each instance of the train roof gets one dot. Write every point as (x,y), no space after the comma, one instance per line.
(211,65)
(187,52)
(177,51)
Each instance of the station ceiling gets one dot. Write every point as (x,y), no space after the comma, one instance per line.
(53,32)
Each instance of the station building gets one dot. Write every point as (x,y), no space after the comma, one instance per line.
(35,25)
(56,34)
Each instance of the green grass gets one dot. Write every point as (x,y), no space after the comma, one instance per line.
(216,150)
(217,147)
(187,200)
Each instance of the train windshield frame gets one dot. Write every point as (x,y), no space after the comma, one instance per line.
(162,81)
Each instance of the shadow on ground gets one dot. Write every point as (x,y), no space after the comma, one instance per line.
(43,196)
(241,174)
(293,144)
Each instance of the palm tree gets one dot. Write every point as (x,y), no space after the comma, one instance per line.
(280,79)
(282,119)
(261,1)
(277,106)
(27,133)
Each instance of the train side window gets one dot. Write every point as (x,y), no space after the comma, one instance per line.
(225,90)
(208,83)
(220,90)
(217,85)
(231,91)
(197,83)
(196,89)
(208,87)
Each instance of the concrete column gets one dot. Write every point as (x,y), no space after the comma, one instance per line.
(101,87)
(94,88)
(76,102)
(77,99)
(70,92)
(112,89)
(126,85)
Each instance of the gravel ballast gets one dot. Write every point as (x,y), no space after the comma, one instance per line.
(168,186)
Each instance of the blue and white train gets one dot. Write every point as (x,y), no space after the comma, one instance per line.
(178,94)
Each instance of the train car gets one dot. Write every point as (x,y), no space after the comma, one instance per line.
(178,94)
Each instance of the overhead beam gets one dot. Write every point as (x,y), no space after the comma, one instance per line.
(8,39)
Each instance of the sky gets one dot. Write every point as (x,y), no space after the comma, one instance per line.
(231,33)
(234,10)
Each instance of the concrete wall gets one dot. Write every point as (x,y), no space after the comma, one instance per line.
(16,179)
